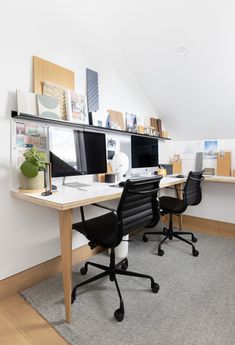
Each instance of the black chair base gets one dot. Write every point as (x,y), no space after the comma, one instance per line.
(112,270)
(169,234)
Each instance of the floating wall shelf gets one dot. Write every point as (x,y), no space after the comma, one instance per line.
(34,118)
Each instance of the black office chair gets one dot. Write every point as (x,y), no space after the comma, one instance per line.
(138,207)
(169,205)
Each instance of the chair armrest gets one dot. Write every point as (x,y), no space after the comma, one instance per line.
(114,212)
(106,208)
(197,179)
(180,189)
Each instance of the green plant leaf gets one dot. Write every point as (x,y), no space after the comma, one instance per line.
(34,161)
(29,169)
(42,156)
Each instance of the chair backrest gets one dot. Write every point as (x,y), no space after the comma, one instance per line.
(139,205)
(192,188)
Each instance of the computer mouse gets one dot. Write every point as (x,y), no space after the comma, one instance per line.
(180,176)
(122,184)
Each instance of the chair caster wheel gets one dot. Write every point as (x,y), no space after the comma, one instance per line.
(194,239)
(165,231)
(119,315)
(124,265)
(160,252)
(145,239)
(155,287)
(195,252)
(83,270)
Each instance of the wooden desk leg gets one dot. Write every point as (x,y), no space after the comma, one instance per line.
(66,255)
(179,195)
(180,221)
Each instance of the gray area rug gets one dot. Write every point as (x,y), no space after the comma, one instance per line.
(194,306)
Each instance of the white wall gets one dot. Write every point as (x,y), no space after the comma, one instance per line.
(217,198)
(75,35)
(187,150)
(183,53)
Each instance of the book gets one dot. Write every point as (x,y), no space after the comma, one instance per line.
(76,106)
(159,126)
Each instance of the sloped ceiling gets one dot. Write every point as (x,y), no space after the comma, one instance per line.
(183,54)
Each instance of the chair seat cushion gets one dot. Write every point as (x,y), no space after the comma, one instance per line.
(100,230)
(171,205)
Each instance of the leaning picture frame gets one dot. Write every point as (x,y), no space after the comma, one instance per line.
(76,106)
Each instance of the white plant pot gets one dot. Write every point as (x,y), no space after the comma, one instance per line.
(35,183)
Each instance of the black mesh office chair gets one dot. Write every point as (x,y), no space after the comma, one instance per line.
(169,205)
(138,207)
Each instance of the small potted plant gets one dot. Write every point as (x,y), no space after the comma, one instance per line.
(32,176)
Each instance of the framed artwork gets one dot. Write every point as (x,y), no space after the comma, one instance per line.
(131,123)
(210,149)
(115,120)
(92,90)
(48,107)
(58,92)
(76,107)
(26,102)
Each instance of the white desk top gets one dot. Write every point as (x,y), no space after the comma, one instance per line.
(67,197)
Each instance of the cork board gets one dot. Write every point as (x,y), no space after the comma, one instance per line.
(177,166)
(224,164)
(45,70)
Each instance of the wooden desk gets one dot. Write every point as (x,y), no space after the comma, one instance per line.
(222,179)
(65,200)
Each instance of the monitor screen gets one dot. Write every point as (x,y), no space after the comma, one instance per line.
(92,151)
(144,152)
(74,152)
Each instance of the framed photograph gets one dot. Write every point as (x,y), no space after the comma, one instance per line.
(76,107)
(131,123)
(210,149)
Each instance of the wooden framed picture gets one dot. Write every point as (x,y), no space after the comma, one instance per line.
(76,107)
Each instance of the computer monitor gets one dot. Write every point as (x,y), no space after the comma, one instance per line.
(74,152)
(92,150)
(144,152)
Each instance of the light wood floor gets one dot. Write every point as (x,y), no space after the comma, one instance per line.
(20,324)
